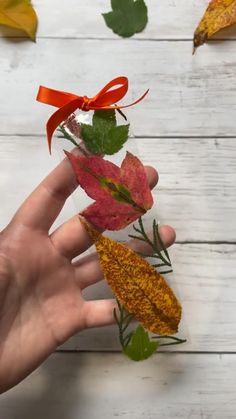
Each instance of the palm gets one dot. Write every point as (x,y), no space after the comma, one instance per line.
(41,304)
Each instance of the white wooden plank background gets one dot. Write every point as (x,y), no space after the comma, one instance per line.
(80,386)
(202,189)
(188,93)
(205,275)
(168,19)
(186,128)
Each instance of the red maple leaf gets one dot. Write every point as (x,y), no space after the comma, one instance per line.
(122,194)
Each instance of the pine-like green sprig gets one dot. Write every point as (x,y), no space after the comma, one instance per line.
(158,251)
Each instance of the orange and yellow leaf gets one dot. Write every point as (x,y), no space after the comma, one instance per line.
(19,14)
(219,15)
(137,285)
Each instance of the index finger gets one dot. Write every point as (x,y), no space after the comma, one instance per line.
(44,204)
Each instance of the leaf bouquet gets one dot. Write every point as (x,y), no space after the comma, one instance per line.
(121,196)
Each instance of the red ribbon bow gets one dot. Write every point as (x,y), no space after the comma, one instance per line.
(67,103)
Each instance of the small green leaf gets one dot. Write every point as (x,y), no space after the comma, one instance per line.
(140,346)
(117,136)
(127,18)
(104,136)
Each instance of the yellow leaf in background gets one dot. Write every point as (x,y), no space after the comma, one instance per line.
(19,14)
(137,285)
(219,15)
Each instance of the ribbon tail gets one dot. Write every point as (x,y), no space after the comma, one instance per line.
(59,116)
(121,106)
(133,103)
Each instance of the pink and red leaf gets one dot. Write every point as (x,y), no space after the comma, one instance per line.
(122,194)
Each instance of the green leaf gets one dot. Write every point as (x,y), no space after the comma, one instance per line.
(104,136)
(140,346)
(127,18)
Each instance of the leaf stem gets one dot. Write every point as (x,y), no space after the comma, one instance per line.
(157,238)
(68,137)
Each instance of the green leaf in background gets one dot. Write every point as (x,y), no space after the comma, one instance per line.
(127,18)
(140,346)
(104,136)
(19,14)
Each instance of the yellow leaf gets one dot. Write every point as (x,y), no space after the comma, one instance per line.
(137,285)
(19,14)
(219,15)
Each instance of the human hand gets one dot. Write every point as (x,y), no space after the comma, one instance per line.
(41,303)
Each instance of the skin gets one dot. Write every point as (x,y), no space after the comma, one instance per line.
(41,303)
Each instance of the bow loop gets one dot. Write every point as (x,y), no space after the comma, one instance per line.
(67,103)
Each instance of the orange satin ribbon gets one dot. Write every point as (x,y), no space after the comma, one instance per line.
(67,103)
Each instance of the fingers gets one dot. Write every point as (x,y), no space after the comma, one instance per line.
(89,272)
(98,313)
(44,204)
(71,238)
(167,234)
(152,176)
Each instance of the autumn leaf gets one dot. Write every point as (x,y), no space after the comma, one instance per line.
(122,194)
(127,17)
(138,287)
(19,14)
(219,15)
(104,136)
(141,346)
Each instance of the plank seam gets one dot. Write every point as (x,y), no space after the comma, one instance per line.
(100,38)
(149,137)
(65,351)
(212,242)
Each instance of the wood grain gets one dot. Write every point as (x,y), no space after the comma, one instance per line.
(186,128)
(168,19)
(204,272)
(196,191)
(79,386)
(189,96)
(204,279)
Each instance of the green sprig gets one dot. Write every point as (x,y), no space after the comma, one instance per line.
(174,339)
(137,344)
(159,250)
(123,321)
(65,134)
